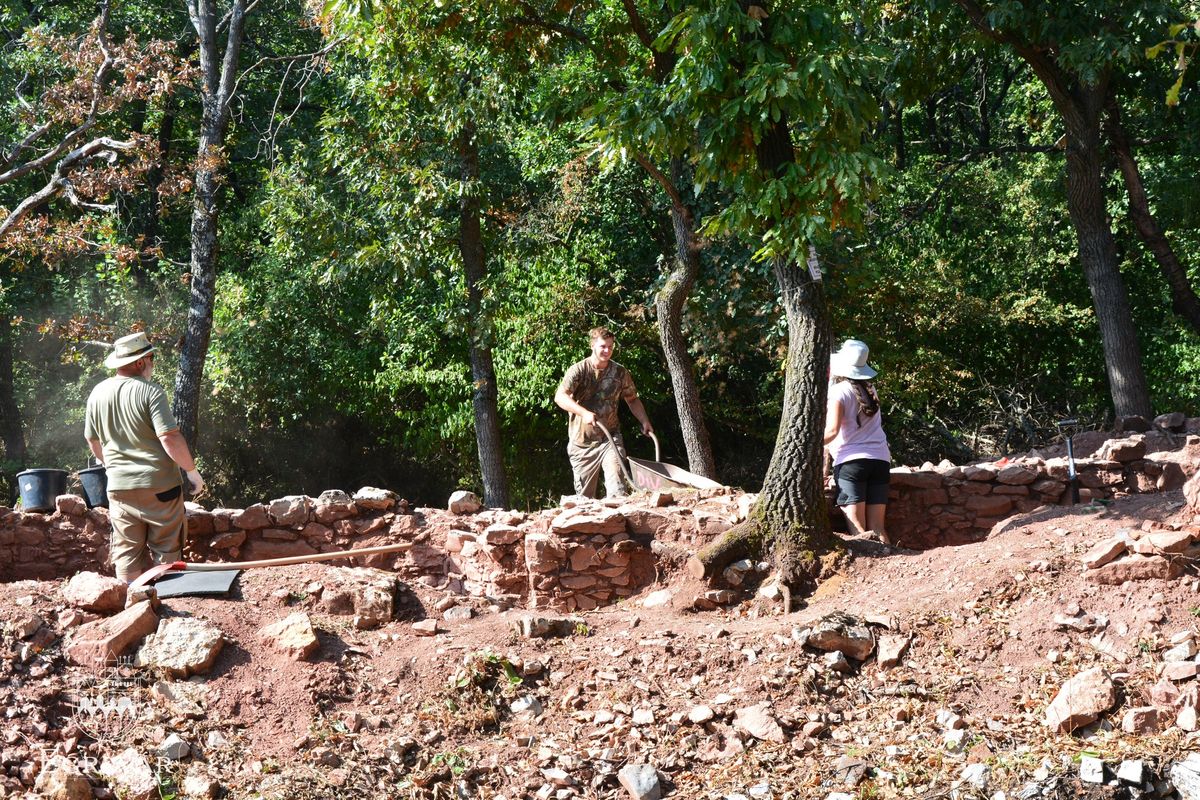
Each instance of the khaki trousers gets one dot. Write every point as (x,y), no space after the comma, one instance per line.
(589,460)
(145,530)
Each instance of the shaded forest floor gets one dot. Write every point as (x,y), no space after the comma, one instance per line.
(720,703)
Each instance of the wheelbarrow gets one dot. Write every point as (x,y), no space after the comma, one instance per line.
(654,475)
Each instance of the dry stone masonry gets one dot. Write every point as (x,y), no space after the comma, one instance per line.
(587,554)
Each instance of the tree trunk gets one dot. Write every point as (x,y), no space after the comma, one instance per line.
(669,304)
(1081,104)
(790,517)
(479,328)
(1183,297)
(1098,255)
(217,82)
(12,430)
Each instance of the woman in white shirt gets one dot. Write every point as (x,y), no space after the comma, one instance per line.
(855,439)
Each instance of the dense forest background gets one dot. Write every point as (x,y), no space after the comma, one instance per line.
(404,196)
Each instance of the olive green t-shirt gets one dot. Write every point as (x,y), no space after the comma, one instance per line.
(599,393)
(127,415)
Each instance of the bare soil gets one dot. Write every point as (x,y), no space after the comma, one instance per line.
(390,713)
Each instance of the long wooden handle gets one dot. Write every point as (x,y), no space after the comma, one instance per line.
(280,562)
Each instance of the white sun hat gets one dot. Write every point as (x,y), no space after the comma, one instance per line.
(851,361)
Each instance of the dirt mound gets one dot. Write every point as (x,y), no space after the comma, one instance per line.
(471,697)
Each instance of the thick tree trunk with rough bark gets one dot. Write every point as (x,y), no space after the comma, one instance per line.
(1081,105)
(669,304)
(479,328)
(12,430)
(217,79)
(790,519)
(1183,297)
(1098,255)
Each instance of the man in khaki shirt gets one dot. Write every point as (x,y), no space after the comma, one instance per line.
(131,430)
(590,393)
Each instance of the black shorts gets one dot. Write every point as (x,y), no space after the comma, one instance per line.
(863,480)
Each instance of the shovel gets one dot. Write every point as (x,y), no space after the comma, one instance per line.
(1072,475)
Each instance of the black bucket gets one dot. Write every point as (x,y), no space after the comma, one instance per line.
(39,487)
(94,481)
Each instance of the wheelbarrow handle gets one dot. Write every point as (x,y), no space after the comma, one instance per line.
(655,438)
(620,460)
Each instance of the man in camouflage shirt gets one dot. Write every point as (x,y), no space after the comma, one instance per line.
(590,393)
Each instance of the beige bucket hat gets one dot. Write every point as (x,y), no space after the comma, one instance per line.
(128,349)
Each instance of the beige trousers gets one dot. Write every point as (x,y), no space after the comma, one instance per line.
(145,530)
(589,460)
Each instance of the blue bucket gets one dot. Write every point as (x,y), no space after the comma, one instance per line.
(94,481)
(39,487)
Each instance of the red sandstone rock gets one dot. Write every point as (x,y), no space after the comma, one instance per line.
(1123,450)
(891,648)
(252,518)
(92,591)
(904,478)
(979,472)
(293,635)
(71,504)
(104,641)
(1143,719)
(1191,493)
(199,522)
(499,534)
(1135,568)
(1016,475)
(1081,701)
(1175,422)
(989,505)
(227,540)
(290,511)
(258,550)
(1104,552)
(1169,541)
(1179,670)
(427,627)
(588,520)
(1172,477)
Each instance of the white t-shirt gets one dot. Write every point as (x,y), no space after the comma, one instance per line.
(858,437)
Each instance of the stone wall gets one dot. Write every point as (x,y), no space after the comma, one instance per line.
(584,555)
(568,559)
(947,504)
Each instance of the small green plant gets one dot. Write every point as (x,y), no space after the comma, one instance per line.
(581,629)
(457,761)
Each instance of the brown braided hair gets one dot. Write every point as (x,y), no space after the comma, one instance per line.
(865,394)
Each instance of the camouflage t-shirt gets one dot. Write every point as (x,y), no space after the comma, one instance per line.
(599,393)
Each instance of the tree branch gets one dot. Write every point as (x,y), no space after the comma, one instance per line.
(663,181)
(59,183)
(638,24)
(98,79)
